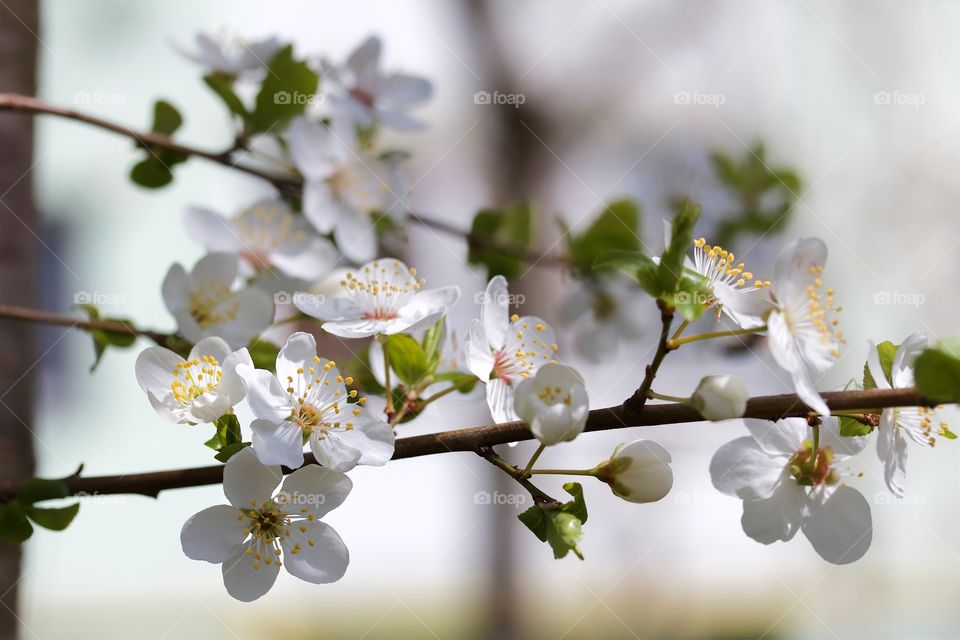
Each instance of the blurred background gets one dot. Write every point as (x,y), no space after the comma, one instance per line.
(620,99)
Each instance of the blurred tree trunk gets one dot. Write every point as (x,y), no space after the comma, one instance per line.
(19,24)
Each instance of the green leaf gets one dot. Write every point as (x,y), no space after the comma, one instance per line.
(577,506)
(431,343)
(535,519)
(166,118)
(39,489)
(494,229)
(406,358)
(103,338)
(14,526)
(264,354)
(616,229)
(227,432)
(151,173)
(56,519)
(560,527)
(287,87)
(671,269)
(937,372)
(222,85)
(851,428)
(635,264)
(887,351)
(564,532)
(465,382)
(230,450)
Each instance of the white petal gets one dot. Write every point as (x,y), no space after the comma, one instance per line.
(741,468)
(216,267)
(338,308)
(254,316)
(334,453)
(176,289)
(278,443)
(312,149)
(297,354)
(364,61)
(356,236)
(843,447)
(777,517)
(211,230)
(649,477)
(892,450)
(317,489)
(782,437)
(309,262)
(905,357)
(786,353)
(321,558)
(361,328)
(267,399)
(495,311)
(403,89)
(477,352)
(875,367)
(427,306)
(840,529)
(797,265)
(246,479)
(245,583)
(154,369)
(373,438)
(500,401)
(214,534)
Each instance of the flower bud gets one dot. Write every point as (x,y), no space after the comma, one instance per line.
(553,403)
(720,398)
(638,472)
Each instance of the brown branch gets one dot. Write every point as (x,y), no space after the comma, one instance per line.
(65,320)
(639,398)
(288,184)
(479,439)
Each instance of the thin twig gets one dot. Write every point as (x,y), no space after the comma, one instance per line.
(65,320)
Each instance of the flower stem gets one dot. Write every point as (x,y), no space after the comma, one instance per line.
(673,344)
(662,396)
(564,472)
(391,411)
(533,460)
(450,389)
(680,329)
(816,447)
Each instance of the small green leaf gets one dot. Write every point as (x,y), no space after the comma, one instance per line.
(535,519)
(103,338)
(407,358)
(577,506)
(56,519)
(287,88)
(564,532)
(14,526)
(39,489)
(937,372)
(230,450)
(430,342)
(222,85)
(635,264)
(166,118)
(671,269)
(887,351)
(616,229)
(493,229)
(264,354)
(465,382)
(151,173)
(227,432)
(852,428)
(561,528)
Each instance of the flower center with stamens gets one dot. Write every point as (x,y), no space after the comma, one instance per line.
(305,412)
(274,521)
(363,97)
(811,472)
(193,378)
(518,357)
(381,288)
(212,303)
(555,395)
(264,230)
(821,311)
(717,265)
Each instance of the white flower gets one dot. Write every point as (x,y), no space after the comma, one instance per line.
(785,488)
(919,423)
(260,530)
(802,335)
(343,186)
(306,401)
(265,235)
(502,350)
(553,403)
(720,398)
(205,303)
(201,388)
(604,314)
(383,297)
(735,290)
(366,95)
(233,56)
(638,472)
